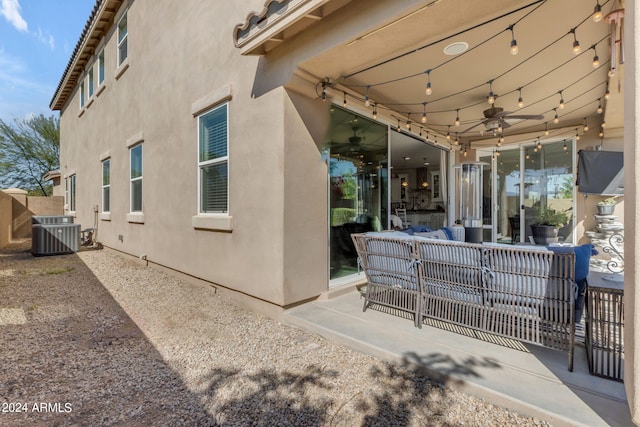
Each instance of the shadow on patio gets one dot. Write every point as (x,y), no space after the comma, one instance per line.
(532,380)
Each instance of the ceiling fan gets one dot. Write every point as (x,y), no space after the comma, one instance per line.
(496,118)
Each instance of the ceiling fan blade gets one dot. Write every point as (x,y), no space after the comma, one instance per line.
(473,127)
(525,117)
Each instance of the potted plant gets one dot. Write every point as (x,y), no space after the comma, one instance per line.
(545,229)
(606,206)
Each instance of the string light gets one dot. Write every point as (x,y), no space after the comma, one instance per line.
(597,12)
(398,128)
(596,60)
(546,129)
(367,101)
(324,91)
(607,93)
(424,112)
(577,136)
(526,154)
(555,118)
(561,104)
(514,43)
(599,110)
(520,101)
(499,129)
(344,99)
(457,141)
(539,145)
(576,43)
(465,152)
(428,90)
(564,147)
(448,133)
(375,112)
(491,98)
(497,153)
(586,127)
(408,125)
(457,122)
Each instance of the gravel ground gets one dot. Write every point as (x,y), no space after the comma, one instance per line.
(98,339)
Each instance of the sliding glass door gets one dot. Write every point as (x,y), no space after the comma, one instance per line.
(356,152)
(525,181)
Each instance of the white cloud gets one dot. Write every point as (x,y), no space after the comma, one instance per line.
(10,9)
(45,38)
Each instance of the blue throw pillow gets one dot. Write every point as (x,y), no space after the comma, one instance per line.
(583,256)
(420,228)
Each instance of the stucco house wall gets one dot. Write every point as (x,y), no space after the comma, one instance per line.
(175,70)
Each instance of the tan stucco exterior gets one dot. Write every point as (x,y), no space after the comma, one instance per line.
(175,70)
(271,250)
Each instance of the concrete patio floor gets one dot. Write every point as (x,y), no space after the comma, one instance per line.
(531,380)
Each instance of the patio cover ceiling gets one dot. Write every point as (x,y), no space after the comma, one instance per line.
(392,61)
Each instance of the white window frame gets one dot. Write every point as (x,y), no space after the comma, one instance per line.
(106,186)
(124,40)
(70,192)
(82,94)
(101,67)
(132,180)
(220,160)
(90,83)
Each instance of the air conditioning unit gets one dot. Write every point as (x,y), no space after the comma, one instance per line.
(52,219)
(54,239)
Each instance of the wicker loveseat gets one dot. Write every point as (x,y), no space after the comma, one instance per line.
(522,293)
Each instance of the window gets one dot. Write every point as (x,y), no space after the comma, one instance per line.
(90,82)
(136,178)
(82,94)
(106,185)
(213,160)
(101,67)
(70,193)
(122,39)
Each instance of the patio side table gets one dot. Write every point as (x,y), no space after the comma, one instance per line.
(604,340)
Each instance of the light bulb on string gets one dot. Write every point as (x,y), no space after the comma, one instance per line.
(526,155)
(457,141)
(561,105)
(577,135)
(546,129)
(564,147)
(448,133)
(596,60)
(500,129)
(367,101)
(555,117)
(408,124)
(607,93)
(599,110)
(586,126)
(424,112)
(597,12)
(576,43)
(514,43)
(375,112)
(344,99)
(491,98)
(520,101)
(457,122)
(539,145)
(428,89)
(497,153)
(603,125)
(398,128)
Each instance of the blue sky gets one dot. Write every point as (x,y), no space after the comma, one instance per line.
(37,38)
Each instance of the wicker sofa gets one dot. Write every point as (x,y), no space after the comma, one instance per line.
(522,293)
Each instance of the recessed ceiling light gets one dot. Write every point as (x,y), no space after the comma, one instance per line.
(456,48)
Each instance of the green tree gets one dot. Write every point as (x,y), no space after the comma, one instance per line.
(29,148)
